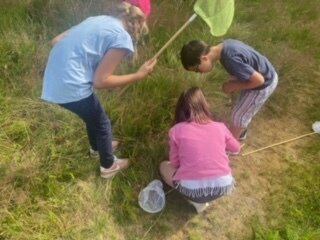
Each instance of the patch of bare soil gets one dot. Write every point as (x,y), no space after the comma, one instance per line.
(257,174)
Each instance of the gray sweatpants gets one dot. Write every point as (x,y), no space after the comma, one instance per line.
(249,103)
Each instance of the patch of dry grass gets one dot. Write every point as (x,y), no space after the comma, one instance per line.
(50,189)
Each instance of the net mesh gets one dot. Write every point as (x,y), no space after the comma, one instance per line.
(152,198)
(218,14)
(316,127)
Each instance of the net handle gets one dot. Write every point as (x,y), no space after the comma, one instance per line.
(279,143)
(175,35)
(167,44)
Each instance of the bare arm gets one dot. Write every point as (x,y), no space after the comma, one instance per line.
(173,152)
(232,144)
(59,37)
(233,85)
(105,78)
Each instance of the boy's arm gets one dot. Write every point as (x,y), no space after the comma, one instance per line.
(255,80)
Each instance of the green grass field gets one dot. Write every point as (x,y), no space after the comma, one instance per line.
(51,189)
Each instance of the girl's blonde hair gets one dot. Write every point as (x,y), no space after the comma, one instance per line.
(135,19)
(192,106)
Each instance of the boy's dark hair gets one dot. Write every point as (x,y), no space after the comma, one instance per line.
(192,106)
(191,52)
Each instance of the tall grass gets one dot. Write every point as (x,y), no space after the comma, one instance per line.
(51,189)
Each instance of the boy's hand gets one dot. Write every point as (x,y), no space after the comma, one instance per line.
(234,85)
(230,87)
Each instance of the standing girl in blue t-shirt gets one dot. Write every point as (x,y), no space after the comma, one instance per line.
(86,57)
(251,74)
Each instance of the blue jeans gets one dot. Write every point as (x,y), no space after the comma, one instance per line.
(98,126)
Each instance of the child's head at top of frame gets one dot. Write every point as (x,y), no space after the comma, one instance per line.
(133,19)
(196,56)
(144,5)
(192,106)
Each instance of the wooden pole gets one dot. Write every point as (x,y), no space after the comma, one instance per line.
(276,144)
(175,35)
(166,45)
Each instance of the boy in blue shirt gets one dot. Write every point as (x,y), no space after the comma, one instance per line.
(251,74)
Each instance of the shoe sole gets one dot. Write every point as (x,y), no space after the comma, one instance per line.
(243,135)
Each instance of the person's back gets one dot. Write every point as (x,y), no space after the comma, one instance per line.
(73,61)
(201,150)
(241,60)
(251,75)
(198,165)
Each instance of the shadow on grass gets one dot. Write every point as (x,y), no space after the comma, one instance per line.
(174,217)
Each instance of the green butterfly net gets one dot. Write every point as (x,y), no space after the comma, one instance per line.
(218,14)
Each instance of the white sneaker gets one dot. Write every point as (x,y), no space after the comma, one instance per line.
(118,165)
(200,207)
(243,135)
(95,153)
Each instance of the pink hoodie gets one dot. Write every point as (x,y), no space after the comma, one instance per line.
(198,151)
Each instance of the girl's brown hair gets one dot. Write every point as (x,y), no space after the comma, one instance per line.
(192,106)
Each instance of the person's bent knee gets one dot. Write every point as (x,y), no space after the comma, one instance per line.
(162,168)
(167,172)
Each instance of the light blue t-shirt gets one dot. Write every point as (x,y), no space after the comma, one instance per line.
(73,61)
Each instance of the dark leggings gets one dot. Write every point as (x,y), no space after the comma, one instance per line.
(98,126)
